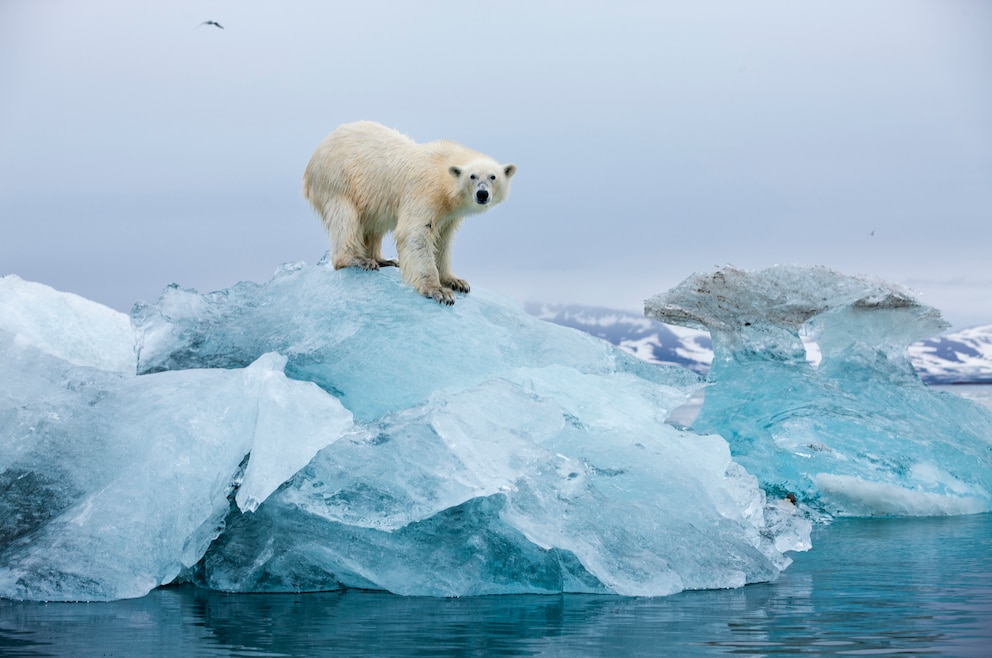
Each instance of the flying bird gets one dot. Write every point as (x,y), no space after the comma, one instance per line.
(214,23)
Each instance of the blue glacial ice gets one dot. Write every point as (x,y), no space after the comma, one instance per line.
(812,386)
(332,429)
(113,484)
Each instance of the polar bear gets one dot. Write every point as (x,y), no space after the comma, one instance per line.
(365,180)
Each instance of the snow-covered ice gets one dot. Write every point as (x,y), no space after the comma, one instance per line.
(65,325)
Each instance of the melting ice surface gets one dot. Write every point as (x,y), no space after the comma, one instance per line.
(856,433)
(333,429)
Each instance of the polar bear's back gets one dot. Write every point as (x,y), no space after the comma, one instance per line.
(356,159)
(377,167)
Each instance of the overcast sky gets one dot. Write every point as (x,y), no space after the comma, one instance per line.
(652,139)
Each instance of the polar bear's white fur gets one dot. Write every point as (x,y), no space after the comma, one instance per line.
(366,179)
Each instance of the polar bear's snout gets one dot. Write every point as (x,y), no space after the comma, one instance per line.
(482,194)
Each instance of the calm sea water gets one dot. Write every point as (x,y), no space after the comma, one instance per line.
(869,587)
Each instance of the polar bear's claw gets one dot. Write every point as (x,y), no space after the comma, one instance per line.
(456,284)
(364,263)
(441,296)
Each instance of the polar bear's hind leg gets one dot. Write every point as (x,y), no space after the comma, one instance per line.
(373,246)
(348,248)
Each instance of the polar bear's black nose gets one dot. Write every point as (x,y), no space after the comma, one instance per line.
(482,196)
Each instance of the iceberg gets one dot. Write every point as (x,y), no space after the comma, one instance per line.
(331,429)
(812,386)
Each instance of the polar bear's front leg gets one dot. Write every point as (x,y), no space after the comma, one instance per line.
(416,249)
(444,241)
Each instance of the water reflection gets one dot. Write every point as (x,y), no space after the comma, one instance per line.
(868,587)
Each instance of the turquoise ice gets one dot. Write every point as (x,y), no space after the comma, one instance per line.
(333,429)
(812,386)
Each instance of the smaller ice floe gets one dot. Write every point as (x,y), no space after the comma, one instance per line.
(856,433)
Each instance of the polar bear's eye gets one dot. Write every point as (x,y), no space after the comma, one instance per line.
(492,176)
(473,176)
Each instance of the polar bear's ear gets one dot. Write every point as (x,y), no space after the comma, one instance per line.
(509,170)
(455,171)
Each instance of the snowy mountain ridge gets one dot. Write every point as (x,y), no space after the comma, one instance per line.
(960,357)
(963,356)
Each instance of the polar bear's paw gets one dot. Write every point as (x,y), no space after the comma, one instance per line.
(440,295)
(456,284)
(360,262)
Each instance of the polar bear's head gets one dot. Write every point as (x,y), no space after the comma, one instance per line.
(482,182)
